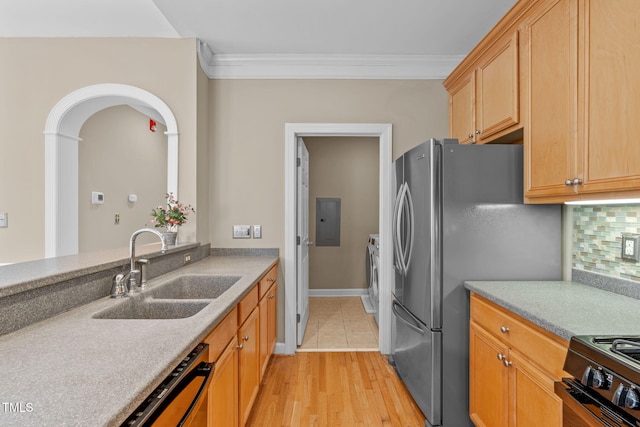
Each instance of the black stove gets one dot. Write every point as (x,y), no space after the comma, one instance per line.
(606,383)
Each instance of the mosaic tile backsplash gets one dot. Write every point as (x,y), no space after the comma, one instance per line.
(597,239)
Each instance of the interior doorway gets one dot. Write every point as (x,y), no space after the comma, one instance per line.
(383,133)
(343,173)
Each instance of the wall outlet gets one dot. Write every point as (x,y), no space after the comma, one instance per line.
(187,258)
(4,220)
(630,247)
(241,231)
(257,232)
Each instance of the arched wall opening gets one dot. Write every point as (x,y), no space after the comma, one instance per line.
(62,131)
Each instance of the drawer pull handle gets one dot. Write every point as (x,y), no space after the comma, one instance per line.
(504,329)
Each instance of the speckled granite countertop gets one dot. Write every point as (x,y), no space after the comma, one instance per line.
(74,370)
(565,308)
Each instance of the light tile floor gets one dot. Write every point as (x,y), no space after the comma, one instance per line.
(339,323)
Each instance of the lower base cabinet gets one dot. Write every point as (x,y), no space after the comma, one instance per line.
(512,367)
(249,362)
(240,347)
(223,391)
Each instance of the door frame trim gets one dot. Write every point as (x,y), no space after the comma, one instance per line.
(383,131)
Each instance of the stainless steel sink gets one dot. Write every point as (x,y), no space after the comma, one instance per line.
(148,308)
(193,286)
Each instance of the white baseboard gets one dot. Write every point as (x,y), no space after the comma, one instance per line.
(281,348)
(338,292)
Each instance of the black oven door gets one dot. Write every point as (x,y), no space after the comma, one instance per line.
(582,409)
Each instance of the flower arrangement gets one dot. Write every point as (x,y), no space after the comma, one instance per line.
(174,215)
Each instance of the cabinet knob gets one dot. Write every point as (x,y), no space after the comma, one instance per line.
(245,338)
(271,279)
(470,136)
(577,181)
(271,296)
(478,132)
(507,363)
(568,183)
(504,329)
(501,357)
(240,346)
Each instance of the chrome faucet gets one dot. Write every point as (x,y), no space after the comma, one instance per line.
(135,279)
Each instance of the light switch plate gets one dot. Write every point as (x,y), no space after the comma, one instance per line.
(630,247)
(4,220)
(241,231)
(257,232)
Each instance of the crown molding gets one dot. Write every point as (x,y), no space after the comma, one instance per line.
(304,66)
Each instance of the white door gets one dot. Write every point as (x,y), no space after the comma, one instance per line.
(303,239)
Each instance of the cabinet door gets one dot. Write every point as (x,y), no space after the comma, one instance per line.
(223,391)
(532,399)
(551,73)
(612,94)
(272,309)
(498,89)
(263,308)
(461,110)
(268,326)
(248,364)
(488,379)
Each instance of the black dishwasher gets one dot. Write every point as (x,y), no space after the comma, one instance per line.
(181,399)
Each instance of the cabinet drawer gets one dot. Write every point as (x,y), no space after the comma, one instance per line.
(538,345)
(222,334)
(248,303)
(267,280)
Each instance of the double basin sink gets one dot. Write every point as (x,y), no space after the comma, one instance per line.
(177,298)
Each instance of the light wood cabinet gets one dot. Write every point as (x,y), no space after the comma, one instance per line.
(484,103)
(267,307)
(512,367)
(223,392)
(249,364)
(582,100)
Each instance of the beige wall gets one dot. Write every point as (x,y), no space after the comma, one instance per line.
(247,138)
(346,168)
(118,156)
(38,72)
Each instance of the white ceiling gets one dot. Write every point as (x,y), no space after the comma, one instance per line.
(409,31)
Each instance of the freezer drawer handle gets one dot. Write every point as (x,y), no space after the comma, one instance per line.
(411,326)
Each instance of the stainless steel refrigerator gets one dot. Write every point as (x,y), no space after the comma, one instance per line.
(459,215)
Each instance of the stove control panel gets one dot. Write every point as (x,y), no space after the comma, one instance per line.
(596,378)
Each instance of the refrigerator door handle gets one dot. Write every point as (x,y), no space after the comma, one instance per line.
(400,238)
(411,322)
(396,208)
(411,231)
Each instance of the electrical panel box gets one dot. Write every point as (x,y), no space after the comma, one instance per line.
(328,221)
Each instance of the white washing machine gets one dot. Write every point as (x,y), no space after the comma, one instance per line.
(372,263)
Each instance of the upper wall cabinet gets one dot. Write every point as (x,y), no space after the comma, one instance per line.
(582,99)
(484,103)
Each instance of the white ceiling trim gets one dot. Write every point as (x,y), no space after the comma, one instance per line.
(306,66)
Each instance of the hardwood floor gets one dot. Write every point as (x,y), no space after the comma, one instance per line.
(333,389)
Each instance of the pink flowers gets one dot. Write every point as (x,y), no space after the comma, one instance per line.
(174,215)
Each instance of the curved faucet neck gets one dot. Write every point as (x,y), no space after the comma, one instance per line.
(132,243)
